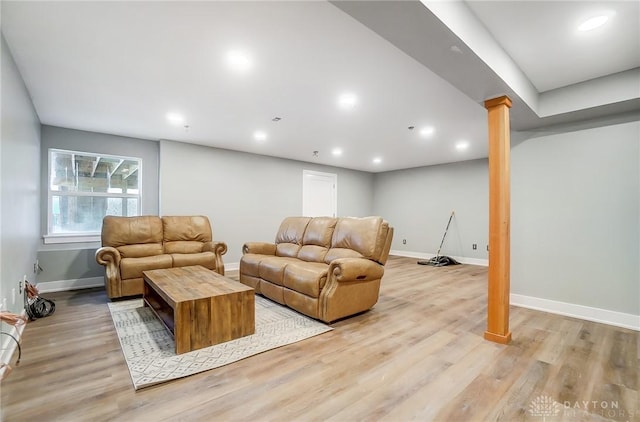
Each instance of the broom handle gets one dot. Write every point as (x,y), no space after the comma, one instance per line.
(445,234)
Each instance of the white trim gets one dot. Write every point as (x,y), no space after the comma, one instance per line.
(460,259)
(70,238)
(605,316)
(73,284)
(233,266)
(8,345)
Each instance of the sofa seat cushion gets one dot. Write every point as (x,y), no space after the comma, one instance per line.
(308,278)
(183,246)
(133,267)
(272,268)
(250,264)
(140,250)
(206,259)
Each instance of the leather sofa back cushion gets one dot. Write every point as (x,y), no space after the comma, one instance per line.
(121,231)
(139,251)
(366,236)
(312,253)
(287,249)
(320,231)
(186,228)
(335,253)
(183,246)
(292,230)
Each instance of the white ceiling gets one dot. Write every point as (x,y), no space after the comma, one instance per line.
(120,67)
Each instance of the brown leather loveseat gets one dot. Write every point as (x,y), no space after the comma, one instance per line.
(326,268)
(131,245)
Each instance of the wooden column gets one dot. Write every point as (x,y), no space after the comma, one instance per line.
(499,220)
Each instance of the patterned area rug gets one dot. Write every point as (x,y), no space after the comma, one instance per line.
(149,348)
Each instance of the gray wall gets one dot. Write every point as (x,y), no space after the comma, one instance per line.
(19,182)
(68,261)
(246,196)
(419,201)
(575,230)
(575,214)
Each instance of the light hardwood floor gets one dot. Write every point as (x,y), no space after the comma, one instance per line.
(418,354)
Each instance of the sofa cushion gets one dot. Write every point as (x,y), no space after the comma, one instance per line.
(133,267)
(308,278)
(250,264)
(206,259)
(271,268)
(185,234)
(319,231)
(287,249)
(292,230)
(335,253)
(121,231)
(312,253)
(137,251)
(366,236)
(183,246)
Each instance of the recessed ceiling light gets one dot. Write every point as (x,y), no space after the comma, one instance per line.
(336,151)
(259,135)
(427,131)
(347,101)
(593,23)
(175,118)
(377,160)
(239,60)
(462,145)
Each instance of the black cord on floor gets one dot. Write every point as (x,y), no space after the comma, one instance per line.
(17,343)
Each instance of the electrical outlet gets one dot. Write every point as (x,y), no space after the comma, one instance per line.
(404,241)
(4,304)
(474,246)
(487,248)
(13,296)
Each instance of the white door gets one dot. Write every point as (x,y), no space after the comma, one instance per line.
(319,197)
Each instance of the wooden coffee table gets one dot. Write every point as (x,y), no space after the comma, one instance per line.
(200,307)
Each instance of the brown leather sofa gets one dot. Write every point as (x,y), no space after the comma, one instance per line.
(131,245)
(326,268)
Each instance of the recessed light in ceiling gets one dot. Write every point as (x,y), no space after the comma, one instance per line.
(455,49)
(238,60)
(427,131)
(259,135)
(593,22)
(175,118)
(347,101)
(336,151)
(377,160)
(462,145)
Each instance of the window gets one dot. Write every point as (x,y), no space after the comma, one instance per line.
(84,187)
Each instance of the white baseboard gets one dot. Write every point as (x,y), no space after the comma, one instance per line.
(232,266)
(8,345)
(73,284)
(618,319)
(460,259)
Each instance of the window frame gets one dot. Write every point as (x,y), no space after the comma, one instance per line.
(88,236)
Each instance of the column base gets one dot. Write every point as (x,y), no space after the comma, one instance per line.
(498,338)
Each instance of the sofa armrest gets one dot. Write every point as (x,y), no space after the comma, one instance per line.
(262,248)
(355,269)
(219,249)
(110,258)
